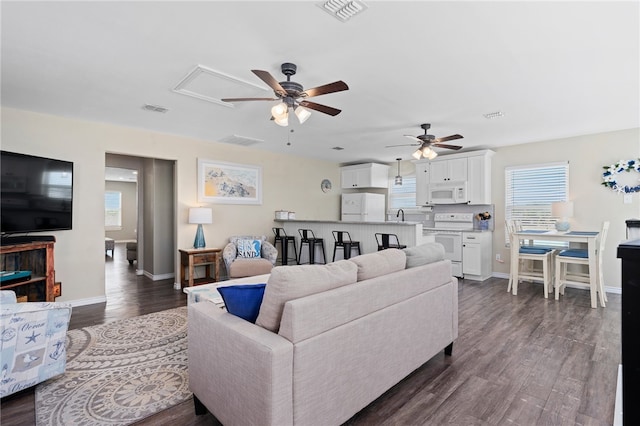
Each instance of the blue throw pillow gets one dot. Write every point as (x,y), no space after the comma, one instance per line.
(243,300)
(249,249)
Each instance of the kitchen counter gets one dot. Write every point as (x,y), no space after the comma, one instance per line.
(409,233)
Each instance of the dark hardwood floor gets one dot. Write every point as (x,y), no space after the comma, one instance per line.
(518,360)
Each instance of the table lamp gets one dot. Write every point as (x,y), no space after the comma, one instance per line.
(200,216)
(564,210)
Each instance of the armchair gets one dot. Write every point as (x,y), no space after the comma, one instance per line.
(32,347)
(249,255)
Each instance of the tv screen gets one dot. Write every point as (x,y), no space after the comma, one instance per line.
(36,193)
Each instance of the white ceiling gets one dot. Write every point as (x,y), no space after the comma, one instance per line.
(556,69)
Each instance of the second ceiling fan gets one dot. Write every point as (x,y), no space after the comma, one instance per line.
(293,95)
(427,142)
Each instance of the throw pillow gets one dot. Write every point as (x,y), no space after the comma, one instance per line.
(243,300)
(293,282)
(249,249)
(424,254)
(383,262)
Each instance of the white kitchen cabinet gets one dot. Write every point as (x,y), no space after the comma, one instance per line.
(422,183)
(369,175)
(449,170)
(479,178)
(476,255)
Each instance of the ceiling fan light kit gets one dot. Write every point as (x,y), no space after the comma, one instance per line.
(426,143)
(293,96)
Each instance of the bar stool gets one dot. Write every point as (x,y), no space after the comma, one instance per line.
(284,240)
(343,240)
(386,241)
(308,237)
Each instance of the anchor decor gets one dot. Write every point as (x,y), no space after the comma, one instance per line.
(611,172)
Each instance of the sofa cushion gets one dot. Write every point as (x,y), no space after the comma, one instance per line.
(424,254)
(249,267)
(293,282)
(382,262)
(243,300)
(249,249)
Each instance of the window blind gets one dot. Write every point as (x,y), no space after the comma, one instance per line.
(112,209)
(530,190)
(403,196)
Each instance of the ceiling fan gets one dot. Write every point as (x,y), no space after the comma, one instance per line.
(293,96)
(427,142)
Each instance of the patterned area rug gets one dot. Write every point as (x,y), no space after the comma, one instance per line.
(119,373)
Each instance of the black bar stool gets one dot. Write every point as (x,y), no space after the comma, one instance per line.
(308,237)
(284,240)
(386,241)
(343,240)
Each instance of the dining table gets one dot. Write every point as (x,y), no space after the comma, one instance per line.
(590,238)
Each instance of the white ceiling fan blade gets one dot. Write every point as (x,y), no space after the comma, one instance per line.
(413,137)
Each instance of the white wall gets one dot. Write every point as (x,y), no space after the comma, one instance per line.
(289,183)
(593,203)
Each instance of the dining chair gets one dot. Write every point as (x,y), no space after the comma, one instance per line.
(576,256)
(530,254)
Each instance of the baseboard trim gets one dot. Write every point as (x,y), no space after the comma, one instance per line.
(159,277)
(88,301)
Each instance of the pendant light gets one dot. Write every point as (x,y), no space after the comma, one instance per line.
(398,180)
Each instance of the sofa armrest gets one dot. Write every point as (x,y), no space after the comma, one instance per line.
(7,296)
(241,372)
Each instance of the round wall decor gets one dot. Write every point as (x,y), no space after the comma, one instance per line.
(325,185)
(610,173)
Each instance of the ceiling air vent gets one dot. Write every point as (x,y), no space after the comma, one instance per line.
(240,140)
(338,148)
(342,10)
(154,108)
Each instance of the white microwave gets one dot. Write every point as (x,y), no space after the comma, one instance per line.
(448,193)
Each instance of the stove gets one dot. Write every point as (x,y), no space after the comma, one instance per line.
(453,221)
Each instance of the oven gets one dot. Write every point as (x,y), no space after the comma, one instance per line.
(448,232)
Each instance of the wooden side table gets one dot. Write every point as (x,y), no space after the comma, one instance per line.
(190,258)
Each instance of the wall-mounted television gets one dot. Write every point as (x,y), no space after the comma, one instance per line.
(36,193)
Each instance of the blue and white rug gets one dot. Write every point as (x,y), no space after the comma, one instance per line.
(119,373)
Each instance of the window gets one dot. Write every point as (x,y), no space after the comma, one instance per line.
(530,190)
(403,196)
(113,209)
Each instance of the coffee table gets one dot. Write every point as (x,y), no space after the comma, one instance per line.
(209,292)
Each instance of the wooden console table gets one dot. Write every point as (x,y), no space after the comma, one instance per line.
(37,258)
(190,258)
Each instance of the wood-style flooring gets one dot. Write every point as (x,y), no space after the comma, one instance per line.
(518,360)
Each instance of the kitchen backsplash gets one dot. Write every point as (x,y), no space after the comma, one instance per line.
(427,217)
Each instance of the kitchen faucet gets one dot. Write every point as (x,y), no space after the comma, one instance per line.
(398,214)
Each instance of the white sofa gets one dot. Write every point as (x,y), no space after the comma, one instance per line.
(330,353)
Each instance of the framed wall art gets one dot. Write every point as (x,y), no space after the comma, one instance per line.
(229,183)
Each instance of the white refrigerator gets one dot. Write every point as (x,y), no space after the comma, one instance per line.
(363,207)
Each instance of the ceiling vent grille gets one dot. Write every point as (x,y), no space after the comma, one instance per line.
(154,108)
(240,140)
(337,148)
(343,10)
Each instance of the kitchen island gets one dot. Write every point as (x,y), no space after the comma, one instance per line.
(409,233)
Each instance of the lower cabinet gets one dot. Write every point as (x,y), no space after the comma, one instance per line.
(476,255)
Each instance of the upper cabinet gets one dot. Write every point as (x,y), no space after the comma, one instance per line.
(422,183)
(453,170)
(479,177)
(473,167)
(369,175)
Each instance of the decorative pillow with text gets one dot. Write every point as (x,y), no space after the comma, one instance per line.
(249,249)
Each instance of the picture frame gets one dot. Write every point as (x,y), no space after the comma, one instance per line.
(229,183)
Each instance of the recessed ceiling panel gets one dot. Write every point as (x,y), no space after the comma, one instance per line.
(211,86)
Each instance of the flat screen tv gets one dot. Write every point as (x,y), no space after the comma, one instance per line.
(36,193)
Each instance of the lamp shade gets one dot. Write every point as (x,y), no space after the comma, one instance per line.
(562,209)
(200,215)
